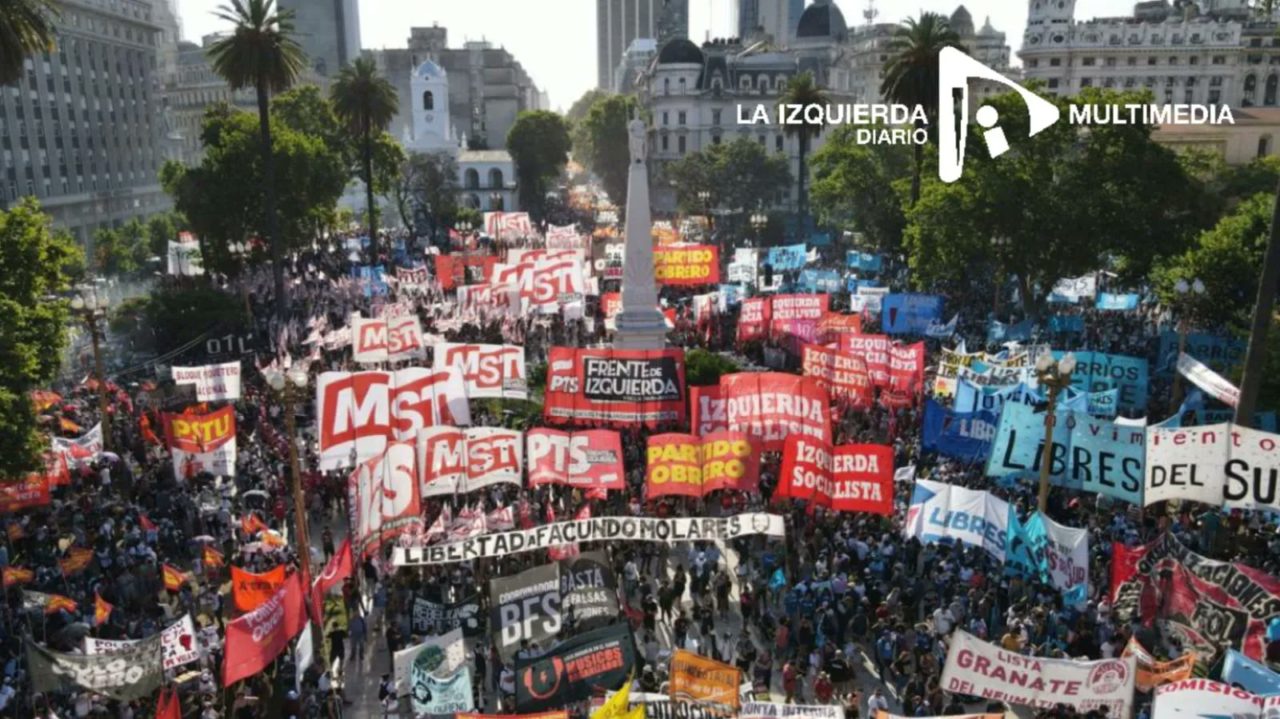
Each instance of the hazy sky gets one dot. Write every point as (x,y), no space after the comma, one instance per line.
(555,39)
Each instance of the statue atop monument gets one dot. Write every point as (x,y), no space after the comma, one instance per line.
(636,133)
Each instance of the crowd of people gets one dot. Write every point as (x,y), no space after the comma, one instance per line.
(845,611)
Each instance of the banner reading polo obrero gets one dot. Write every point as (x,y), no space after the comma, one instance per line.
(768,406)
(943,511)
(490,371)
(361,412)
(842,374)
(255,639)
(178,644)
(615,387)
(1226,464)
(133,672)
(456,461)
(575,669)
(699,679)
(848,478)
(977,668)
(686,265)
(213,382)
(202,442)
(1206,698)
(594,529)
(690,466)
(386,340)
(586,460)
(383,499)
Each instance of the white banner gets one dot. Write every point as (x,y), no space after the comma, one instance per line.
(452,651)
(976,668)
(772,710)
(184,256)
(596,529)
(1222,464)
(1067,554)
(383,499)
(455,461)
(1205,698)
(360,412)
(178,642)
(213,382)
(386,340)
(488,370)
(1206,379)
(943,511)
(1074,288)
(84,448)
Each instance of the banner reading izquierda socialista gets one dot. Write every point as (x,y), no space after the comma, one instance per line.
(595,529)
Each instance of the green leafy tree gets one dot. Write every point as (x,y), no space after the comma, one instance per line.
(425,193)
(539,146)
(162,229)
(261,53)
(601,143)
(365,102)
(703,368)
(740,175)
(860,187)
(34,269)
(121,251)
(911,75)
(580,107)
(26,29)
(803,90)
(170,318)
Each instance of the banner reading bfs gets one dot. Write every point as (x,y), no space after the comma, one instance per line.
(687,265)
(768,406)
(848,478)
(618,387)
(488,370)
(202,442)
(586,460)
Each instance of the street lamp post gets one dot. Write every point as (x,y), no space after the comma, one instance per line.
(1056,375)
(93,309)
(240,251)
(704,196)
(758,222)
(286,384)
(1184,292)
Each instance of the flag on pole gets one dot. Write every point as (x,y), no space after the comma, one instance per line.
(101,610)
(77,560)
(174,578)
(17,575)
(212,557)
(250,524)
(168,705)
(146,524)
(57,602)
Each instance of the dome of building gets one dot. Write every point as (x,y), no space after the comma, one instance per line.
(679,50)
(428,70)
(822,19)
(961,22)
(987,30)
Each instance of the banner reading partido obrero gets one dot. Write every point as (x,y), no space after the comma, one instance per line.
(978,668)
(690,466)
(687,265)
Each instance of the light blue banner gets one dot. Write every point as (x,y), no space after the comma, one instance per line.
(961,435)
(1104,403)
(1222,354)
(372,280)
(1108,458)
(1265,421)
(972,398)
(730,296)
(998,331)
(943,512)
(1022,551)
(863,261)
(1253,676)
(813,281)
(902,314)
(787,258)
(1017,448)
(1066,324)
(1119,302)
(1098,371)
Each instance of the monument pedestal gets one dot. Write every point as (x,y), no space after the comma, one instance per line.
(641,325)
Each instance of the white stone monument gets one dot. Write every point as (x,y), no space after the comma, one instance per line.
(641,325)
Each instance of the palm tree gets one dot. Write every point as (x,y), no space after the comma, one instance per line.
(911,75)
(261,53)
(802,90)
(26,28)
(365,101)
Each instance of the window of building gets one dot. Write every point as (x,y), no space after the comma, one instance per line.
(1269,95)
(1264,146)
(1055,62)
(744,83)
(1173,59)
(1219,60)
(665,144)
(1193,60)
(428,100)
(715,116)
(1053,83)
(1255,42)
(666,118)
(1250,90)
(666,86)
(680,144)
(495,178)
(1130,82)
(1132,61)
(1110,62)
(680,82)
(1086,82)
(777,143)
(715,139)
(1215,81)
(1088,61)
(472,179)
(1151,60)
(760,139)
(1033,62)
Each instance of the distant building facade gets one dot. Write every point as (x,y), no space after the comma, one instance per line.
(327,30)
(619,22)
(634,61)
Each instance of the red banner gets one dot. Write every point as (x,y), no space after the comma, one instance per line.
(451,270)
(691,466)
(383,498)
(687,265)
(615,387)
(842,374)
(30,491)
(874,351)
(768,406)
(490,371)
(453,461)
(590,460)
(250,591)
(850,478)
(906,368)
(706,410)
(255,639)
(753,320)
(832,326)
(788,312)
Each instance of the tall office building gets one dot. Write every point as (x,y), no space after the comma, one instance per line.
(328,30)
(618,22)
(777,18)
(81,130)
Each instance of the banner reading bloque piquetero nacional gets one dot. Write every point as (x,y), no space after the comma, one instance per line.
(769,406)
(977,668)
(848,478)
(586,460)
(361,412)
(202,442)
(617,387)
(690,466)
(685,265)
(213,382)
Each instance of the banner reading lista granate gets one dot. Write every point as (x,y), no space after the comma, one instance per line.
(595,529)
(616,387)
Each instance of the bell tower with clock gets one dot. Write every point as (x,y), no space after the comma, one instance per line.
(429,87)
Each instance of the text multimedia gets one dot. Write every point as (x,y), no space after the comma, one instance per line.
(1138,114)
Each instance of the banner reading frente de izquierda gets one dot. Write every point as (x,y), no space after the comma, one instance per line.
(615,387)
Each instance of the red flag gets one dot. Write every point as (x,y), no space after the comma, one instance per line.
(174,578)
(212,557)
(101,610)
(255,639)
(146,524)
(168,706)
(17,575)
(57,602)
(78,558)
(568,551)
(148,434)
(250,524)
